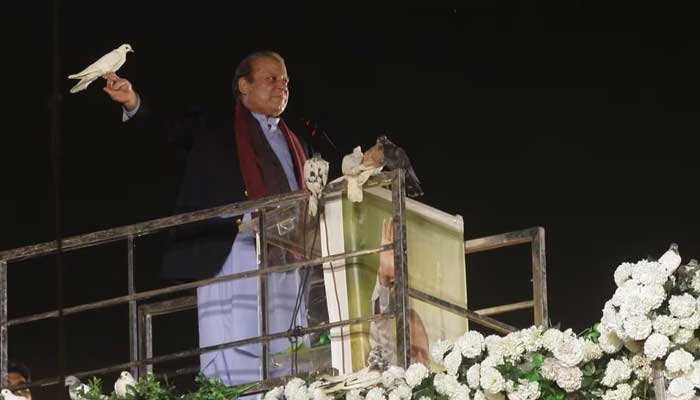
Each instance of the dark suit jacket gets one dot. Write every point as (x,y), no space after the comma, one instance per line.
(211,178)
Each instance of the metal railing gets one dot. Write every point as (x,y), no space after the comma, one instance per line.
(141,355)
(131,232)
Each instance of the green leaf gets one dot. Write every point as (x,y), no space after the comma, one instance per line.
(538,360)
(533,376)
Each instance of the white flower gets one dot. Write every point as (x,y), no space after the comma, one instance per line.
(473,376)
(459,392)
(622,392)
(625,293)
(495,396)
(452,361)
(683,336)
(568,350)
(550,338)
(415,374)
(294,386)
(513,346)
(494,346)
(694,375)
(638,327)
(439,348)
(491,361)
(491,380)
(609,341)
(679,361)
(611,319)
(447,385)
(591,351)
(666,325)
(550,368)
(375,394)
(532,338)
(682,306)
(526,390)
(651,297)
(392,375)
(649,273)
(680,389)
(354,394)
(641,367)
(569,379)
(623,273)
(479,395)
(692,323)
(656,346)
(616,371)
(471,344)
(401,392)
(274,394)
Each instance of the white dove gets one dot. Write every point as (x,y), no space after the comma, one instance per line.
(122,384)
(671,259)
(110,62)
(357,173)
(316,176)
(76,389)
(8,395)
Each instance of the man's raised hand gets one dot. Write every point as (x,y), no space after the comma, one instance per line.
(121,91)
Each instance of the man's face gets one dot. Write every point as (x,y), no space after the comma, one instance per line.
(267,93)
(15,379)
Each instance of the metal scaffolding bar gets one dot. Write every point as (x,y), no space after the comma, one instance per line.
(192,285)
(3,323)
(133,315)
(195,352)
(262,289)
(148,227)
(467,313)
(535,237)
(403,334)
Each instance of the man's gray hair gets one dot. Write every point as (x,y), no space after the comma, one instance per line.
(245,67)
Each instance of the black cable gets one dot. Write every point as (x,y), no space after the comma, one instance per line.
(55,132)
(293,330)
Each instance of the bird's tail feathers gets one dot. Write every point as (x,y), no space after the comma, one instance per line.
(82,85)
(82,74)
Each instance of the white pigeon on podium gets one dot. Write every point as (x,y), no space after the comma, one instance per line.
(76,389)
(121,386)
(316,177)
(108,63)
(8,395)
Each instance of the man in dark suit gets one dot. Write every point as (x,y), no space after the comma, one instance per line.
(253,152)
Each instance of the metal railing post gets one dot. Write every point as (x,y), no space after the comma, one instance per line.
(539,279)
(133,314)
(3,324)
(262,282)
(403,334)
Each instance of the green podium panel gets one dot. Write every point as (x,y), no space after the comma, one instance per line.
(436,265)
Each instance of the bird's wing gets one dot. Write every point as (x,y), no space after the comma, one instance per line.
(105,64)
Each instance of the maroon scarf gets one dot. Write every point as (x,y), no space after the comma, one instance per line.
(250,168)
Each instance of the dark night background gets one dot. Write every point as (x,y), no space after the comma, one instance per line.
(579,117)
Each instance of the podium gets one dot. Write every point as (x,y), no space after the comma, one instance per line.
(436,265)
(349,288)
